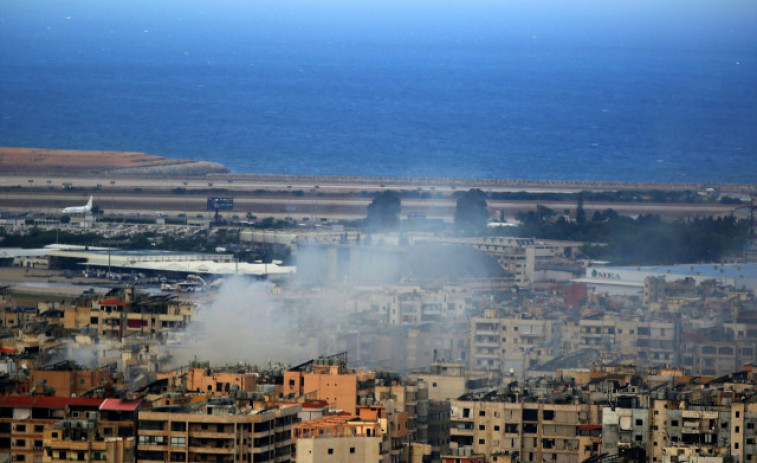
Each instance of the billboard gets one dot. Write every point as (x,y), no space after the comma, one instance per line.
(220,204)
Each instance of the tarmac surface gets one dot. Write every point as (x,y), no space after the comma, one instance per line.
(314,197)
(48,282)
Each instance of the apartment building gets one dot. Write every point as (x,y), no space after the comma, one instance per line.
(720,351)
(511,344)
(395,305)
(431,342)
(79,441)
(651,342)
(537,430)
(201,378)
(329,379)
(67,379)
(411,398)
(691,421)
(220,431)
(23,420)
(340,438)
(124,312)
(519,256)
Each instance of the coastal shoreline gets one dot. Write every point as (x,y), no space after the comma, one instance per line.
(141,168)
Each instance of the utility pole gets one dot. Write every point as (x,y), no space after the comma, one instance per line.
(750,248)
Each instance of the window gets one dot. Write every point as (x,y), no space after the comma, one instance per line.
(352,449)
(481,427)
(21,428)
(481,413)
(639,422)
(482,441)
(178,426)
(179,441)
(330,451)
(674,423)
(38,428)
(496,427)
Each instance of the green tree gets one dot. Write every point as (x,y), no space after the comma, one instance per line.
(384,211)
(471,214)
(580,212)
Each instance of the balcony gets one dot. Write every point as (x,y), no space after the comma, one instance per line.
(211,435)
(219,450)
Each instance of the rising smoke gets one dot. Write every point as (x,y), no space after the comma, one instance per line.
(244,323)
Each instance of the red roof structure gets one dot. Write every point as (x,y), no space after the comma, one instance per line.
(120,405)
(15,401)
(590,427)
(63,402)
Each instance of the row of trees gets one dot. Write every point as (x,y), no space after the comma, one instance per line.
(645,240)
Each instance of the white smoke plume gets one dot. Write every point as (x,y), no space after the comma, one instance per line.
(244,323)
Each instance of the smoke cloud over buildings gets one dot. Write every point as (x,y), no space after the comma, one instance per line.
(242,324)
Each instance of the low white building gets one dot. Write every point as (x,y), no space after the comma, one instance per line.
(620,281)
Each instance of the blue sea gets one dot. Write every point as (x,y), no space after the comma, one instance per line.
(585,90)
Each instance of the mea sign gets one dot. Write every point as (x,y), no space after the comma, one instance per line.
(220,204)
(605,275)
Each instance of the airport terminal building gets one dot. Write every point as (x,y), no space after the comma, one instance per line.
(629,281)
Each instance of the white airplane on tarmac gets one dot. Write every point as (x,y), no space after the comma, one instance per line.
(79,209)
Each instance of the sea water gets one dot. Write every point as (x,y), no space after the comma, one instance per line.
(403,89)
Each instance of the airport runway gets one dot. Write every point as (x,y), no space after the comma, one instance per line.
(189,197)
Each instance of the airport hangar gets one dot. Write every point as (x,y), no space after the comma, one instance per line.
(156,262)
(629,281)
